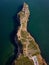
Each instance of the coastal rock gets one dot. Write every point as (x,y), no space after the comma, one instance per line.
(31,54)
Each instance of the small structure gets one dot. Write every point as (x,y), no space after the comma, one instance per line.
(34,58)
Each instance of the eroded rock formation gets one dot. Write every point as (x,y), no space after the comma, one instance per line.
(30,48)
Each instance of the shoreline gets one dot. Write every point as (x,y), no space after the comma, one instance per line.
(26,39)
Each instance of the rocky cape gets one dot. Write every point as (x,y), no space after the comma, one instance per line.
(28,50)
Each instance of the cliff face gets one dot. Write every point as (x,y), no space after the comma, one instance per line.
(31,49)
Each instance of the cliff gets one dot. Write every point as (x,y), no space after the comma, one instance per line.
(31,54)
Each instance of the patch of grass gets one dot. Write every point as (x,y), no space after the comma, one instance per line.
(24,61)
(23,24)
(35,53)
(24,34)
(32,45)
(29,38)
(23,40)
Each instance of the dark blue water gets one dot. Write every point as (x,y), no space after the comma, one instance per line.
(38,25)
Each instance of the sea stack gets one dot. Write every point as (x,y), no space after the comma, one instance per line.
(31,54)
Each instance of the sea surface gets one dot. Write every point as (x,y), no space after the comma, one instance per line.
(38,26)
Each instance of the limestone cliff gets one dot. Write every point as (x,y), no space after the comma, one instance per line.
(31,49)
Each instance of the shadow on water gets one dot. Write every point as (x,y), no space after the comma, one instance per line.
(12,39)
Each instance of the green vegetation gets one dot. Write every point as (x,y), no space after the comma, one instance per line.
(32,45)
(23,24)
(29,38)
(23,40)
(24,61)
(36,53)
(24,34)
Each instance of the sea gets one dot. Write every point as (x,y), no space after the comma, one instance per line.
(38,26)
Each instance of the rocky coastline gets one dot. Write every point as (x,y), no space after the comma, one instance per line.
(30,50)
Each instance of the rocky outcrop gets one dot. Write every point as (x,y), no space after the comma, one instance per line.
(30,47)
